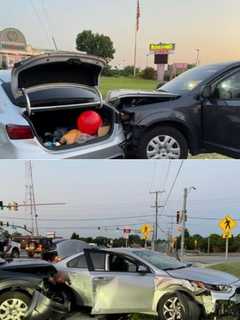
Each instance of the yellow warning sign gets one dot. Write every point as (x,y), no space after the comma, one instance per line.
(146,230)
(227,224)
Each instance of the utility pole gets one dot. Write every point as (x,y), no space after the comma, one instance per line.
(184,216)
(156,206)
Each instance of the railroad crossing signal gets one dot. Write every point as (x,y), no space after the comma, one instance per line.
(146,230)
(227,224)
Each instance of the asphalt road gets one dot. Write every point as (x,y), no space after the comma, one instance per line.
(212,259)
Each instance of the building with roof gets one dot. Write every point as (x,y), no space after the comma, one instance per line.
(14,48)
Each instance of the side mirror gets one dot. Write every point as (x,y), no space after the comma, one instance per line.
(206,92)
(143,269)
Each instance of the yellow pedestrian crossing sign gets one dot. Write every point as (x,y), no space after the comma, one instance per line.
(227,224)
(146,230)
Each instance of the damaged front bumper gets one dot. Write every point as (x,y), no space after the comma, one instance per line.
(220,303)
(44,308)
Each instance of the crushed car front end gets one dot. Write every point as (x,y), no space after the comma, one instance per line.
(44,308)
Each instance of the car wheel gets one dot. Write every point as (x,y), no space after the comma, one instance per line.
(177,306)
(14,305)
(163,143)
(15,253)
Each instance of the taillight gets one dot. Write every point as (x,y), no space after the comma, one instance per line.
(16,132)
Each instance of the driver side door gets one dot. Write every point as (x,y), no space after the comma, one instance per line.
(118,286)
(221,116)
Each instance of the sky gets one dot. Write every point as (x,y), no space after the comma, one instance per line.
(111,191)
(212,26)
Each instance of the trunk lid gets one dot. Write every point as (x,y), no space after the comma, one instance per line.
(57,70)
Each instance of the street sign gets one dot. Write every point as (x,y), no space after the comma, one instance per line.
(227,224)
(146,230)
(126,232)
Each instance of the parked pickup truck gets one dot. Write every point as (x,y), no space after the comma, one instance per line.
(197,112)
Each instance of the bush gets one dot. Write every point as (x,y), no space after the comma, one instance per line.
(148,74)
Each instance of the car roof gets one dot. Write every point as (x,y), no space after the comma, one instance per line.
(5,75)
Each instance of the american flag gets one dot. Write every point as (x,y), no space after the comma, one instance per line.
(138,15)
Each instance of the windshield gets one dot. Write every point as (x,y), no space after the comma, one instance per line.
(160,260)
(190,79)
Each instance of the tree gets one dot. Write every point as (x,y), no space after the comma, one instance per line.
(75,236)
(148,74)
(95,44)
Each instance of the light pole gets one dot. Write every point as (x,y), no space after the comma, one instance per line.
(184,216)
(198,56)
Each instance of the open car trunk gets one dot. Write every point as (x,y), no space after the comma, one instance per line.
(56,128)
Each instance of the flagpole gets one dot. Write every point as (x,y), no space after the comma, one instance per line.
(136,33)
(135,54)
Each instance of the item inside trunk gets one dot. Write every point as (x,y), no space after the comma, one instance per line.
(67,128)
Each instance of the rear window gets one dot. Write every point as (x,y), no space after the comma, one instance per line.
(54,96)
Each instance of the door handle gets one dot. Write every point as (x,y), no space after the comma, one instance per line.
(102,279)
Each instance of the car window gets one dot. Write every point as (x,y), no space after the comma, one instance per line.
(98,260)
(159,260)
(118,263)
(229,88)
(79,262)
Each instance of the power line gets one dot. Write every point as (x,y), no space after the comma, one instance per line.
(172,186)
(35,10)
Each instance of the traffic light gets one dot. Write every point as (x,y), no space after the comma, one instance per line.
(1,223)
(178,217)
(15,206)
(1,205)
(7,224)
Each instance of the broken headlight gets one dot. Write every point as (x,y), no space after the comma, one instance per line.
(212,287)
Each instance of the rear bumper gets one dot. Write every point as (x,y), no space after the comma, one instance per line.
(32,149)
(42,308)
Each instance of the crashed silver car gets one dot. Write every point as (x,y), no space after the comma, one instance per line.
(40,102)
(124,281)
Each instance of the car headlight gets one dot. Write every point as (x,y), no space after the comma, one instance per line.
(212,287)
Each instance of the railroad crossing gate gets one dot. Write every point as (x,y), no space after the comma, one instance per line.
(227,224)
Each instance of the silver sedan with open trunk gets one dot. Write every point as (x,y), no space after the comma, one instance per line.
(124,281)
(40,101)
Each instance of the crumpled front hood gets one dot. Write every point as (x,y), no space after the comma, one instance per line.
(204,275)
(125,93)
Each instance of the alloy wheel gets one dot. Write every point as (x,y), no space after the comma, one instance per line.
(173,309)
(163,147)
(13,309)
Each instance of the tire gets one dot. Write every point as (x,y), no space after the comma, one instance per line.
(21,303)
(15,253)
(168,142)
(187,308)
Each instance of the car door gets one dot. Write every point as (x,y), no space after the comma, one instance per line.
(79,279)
(221,116)
(122,289)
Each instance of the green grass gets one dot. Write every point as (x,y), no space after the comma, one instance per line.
(230,267)
(111,83)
